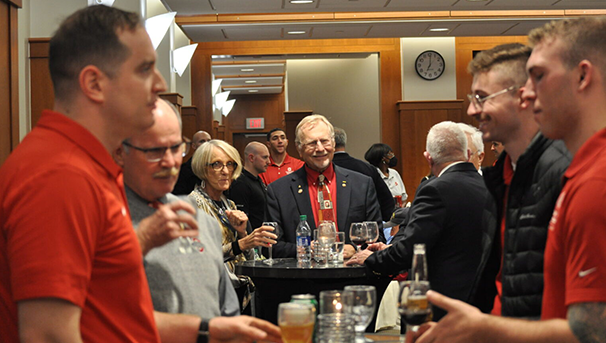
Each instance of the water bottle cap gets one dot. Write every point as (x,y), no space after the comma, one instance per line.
(303,217)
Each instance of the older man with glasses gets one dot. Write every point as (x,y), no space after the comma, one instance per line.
(347,195)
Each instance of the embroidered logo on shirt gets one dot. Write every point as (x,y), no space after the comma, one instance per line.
(584,273)
(289,170)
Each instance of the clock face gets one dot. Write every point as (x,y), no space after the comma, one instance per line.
(429,65)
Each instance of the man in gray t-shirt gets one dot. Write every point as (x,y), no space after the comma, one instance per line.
(184,275)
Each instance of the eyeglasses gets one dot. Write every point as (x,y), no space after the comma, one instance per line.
(327,143)
(478,102)
(217,166)
(156,154)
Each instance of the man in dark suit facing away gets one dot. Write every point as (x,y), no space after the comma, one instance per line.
(447,215)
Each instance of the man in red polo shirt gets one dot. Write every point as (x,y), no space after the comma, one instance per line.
(71,265)
(567,91)
(280,163)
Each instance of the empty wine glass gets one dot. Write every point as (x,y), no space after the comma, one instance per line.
(413,305)
(337,248)
(372,229)
(296,322)
(270,261)
(357,234)
(363,307)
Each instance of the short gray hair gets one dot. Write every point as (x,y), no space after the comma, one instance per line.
(311,120)
(340,137)
(476,136)
(446,142)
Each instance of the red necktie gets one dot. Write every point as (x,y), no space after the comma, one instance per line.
(326,210)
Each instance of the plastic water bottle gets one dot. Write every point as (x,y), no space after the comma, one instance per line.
(303,240)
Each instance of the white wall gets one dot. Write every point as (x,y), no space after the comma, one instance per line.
(346,91)
(416,88)
(40,19)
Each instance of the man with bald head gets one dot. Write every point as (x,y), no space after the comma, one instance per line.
(248,191)
(187,179)
(199,138)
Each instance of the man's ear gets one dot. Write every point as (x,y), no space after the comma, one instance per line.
(250,157)
(92,83)
(481,158)
(118,156)
(586,70)
(428,158)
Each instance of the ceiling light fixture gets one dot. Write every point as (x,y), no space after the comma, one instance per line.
(182,57)
(247,69)
(296,32)
(215,86)
(477,0)
(107,3)
(227,107)
(439,29)
(250,81)
(299,2)
(253,90)
(157,27)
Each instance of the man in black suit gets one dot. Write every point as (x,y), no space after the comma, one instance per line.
(352,195)
(342,159)
(447,215)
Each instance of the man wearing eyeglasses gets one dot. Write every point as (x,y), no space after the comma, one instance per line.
(320,190)
(184,276)
(525,180)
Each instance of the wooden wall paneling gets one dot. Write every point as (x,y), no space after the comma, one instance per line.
(291,119)
(190,125)
(41,86)
(464,48)
(389,59)
(416,118)
(174,98)
(214,131)
(9,78)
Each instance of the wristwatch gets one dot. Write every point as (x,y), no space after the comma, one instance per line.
(203,332)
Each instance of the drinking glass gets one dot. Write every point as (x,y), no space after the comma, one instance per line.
(357,234)
(335,301)
(363,307)
(337,247)
(413,305)
(327,235)
(296,322)
(188,245)
(270,261)
(372,229)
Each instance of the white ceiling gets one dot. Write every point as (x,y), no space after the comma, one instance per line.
(230,20)
(226,26)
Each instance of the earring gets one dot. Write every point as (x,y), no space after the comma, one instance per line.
(203,184)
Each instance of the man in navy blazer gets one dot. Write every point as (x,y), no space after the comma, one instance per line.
(447,215)
(353,194)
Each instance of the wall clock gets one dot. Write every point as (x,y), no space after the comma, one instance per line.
(429,65)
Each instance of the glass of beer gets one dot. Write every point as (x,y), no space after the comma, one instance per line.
(296,322)
(413,305)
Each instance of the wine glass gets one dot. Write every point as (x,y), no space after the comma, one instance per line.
(270,261)
(357,234)
(372,232)
(296,322)
(413,305)
(363,307)
(188,245)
